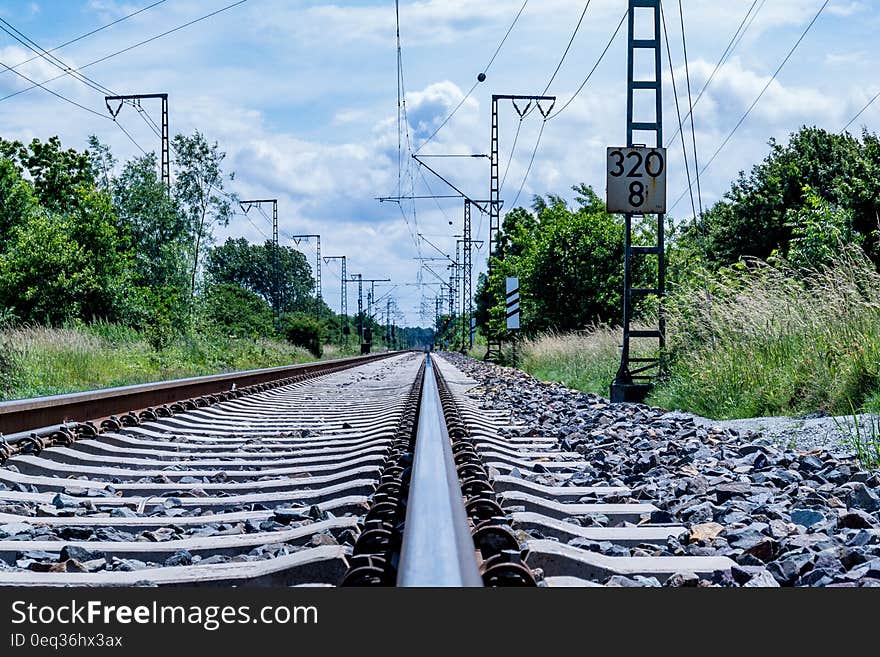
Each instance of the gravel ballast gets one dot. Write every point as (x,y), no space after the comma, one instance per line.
(789,509)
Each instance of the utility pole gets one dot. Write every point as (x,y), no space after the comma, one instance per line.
(360,280)
(319,288)
(277,291)
(494,342)
(135,100)
(467,283)
(641,196)
(466,309)
(343,300)
(388,323)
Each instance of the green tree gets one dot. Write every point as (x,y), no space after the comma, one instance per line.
(158,240)
(819,230)
(755,217)
(54,172)
(569,265)
(252,267)
(573,276)
(58,267)
(237,311)
(17,200)
(200,193)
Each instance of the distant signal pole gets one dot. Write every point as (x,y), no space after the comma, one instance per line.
(493,351)
(343,300)
(319,291)
(277,291)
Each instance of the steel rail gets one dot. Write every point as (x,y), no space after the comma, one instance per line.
(438,549)
(46,414)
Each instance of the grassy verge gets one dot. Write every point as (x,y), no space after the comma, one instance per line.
(37,361)
(586,360)
(761,340)
(765,340)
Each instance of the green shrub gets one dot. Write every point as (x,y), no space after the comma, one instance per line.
(304,331)
(236,311)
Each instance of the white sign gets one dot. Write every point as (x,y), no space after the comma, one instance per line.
(636,180)
(513,304)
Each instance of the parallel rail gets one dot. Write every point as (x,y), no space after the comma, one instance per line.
(437,549)
(263,489)
(27,415)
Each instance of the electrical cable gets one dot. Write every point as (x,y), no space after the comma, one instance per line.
(95,31)
(760,95)
(593,70)
(127,49)
(476,84)
(728,51)
(684,149)
(691,110)
(860,112)
(567,48)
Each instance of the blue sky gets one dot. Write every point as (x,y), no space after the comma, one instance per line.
(303,98)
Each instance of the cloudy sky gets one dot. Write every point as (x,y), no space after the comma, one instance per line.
(302,96)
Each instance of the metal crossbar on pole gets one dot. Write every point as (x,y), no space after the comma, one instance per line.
(493,352)
(319,288)
(166,136)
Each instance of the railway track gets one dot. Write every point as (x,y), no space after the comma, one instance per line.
(376,471)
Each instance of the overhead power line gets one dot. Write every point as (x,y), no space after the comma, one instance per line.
(757,100)
(687,70)
(593,70)
(548,115)
(567,48)
(480,79)
(54,93)
(687,166)
(126,49)
(728,51)
(860,112)
(92,32)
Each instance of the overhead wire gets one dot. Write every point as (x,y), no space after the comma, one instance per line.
(476,84)
(691,109)
(757,100)
(128,48)
(92,32)
(593,70)
(684,149)
(728,51)
(860,112)
(547,115)
(76,72)
(41,52)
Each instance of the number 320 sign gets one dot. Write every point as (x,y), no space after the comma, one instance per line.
(636,180)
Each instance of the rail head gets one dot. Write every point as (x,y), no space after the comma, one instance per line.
(438,548)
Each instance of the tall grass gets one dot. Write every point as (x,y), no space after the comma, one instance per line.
(767,340)
(586,360)
(761,339)
(862,435)
(39,361)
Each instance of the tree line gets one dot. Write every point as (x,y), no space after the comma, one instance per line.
(84,238)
